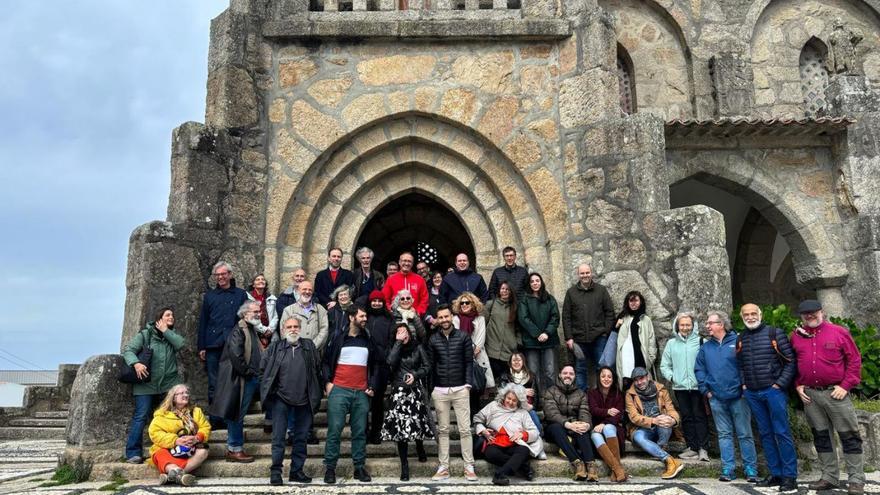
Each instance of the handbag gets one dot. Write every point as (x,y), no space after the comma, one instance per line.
(609,354)
(479,377)
(145,357)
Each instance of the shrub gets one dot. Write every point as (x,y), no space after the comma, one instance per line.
(66,473)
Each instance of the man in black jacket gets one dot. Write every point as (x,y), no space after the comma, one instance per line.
(452,353)
(767,363)
(587,319)
(463,279)
(291,388)
(366,279)
(515,275)
(328,279)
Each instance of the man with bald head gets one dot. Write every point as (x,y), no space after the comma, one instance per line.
(587,319)
(766,362)
(289,295)
(463,279)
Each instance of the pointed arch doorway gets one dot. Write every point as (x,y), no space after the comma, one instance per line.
(418,223)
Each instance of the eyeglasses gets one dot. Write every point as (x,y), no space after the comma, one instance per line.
(182,394)
(406,299)
(221,274)
(715,322)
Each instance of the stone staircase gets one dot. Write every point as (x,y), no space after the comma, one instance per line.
(39,425)
(382,459)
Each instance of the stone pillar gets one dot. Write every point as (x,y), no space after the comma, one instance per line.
(232,100)
(733,84)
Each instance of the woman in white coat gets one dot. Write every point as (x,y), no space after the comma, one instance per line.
(636,343)
(467,308)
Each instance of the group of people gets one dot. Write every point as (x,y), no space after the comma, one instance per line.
(445,340)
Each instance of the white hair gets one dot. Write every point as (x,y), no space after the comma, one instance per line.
(363,250)
(518,390)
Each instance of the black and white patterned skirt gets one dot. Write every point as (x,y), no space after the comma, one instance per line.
(408,417)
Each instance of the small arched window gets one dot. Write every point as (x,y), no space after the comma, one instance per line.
(626,81)
(814,76)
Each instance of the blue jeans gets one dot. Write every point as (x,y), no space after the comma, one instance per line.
(733,415)
(212,364)
(283,416)
(143,411)
(542,362)
(235,435)
(609,431)
(769,406)
(653,440)
(537,421)
(592,353)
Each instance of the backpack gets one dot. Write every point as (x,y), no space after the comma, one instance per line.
(773,343)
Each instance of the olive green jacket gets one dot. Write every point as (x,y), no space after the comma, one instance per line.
(163,367)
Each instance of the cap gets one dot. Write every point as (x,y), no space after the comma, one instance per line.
(809,306)
(639,372)
(376,295)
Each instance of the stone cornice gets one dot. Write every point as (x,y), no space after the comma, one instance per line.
(389,25)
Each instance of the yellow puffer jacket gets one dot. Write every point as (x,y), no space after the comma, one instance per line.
(166,428)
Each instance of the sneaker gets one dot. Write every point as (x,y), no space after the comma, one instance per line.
(136,459)
(187,479)
(542,456)
(703,455)
(174,475)
(769,481)
(751,475)
(726,476)
(789,485)
(688,454)
(469,473)
(163,479)
(441,474)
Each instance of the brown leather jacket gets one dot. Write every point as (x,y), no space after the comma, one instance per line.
(635,412)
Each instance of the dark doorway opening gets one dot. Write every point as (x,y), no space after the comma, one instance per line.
(414,222)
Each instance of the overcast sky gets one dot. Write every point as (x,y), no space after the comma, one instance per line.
(89,94)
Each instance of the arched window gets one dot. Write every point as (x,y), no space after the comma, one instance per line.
(626,81)
(814,76)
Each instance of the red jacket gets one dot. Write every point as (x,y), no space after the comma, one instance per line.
(411,281)
(828,357)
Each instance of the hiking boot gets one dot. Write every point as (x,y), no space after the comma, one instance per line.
(275,479)
(361,474)
(822,484)
(751,475)
(580,470)
(330,476)
(769,481)
(789,485)
(726,476)
(299,477)
(592,471)
(855,488)
(673,468)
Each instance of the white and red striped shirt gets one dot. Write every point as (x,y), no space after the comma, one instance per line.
(351,368)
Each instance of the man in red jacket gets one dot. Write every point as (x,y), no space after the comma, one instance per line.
(406,279)
(829,365)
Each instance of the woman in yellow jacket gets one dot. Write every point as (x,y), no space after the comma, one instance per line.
(179,432)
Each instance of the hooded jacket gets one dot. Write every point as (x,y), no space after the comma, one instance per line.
(502,337)
(587,313)
(463,281)
(679,357)
(717,370)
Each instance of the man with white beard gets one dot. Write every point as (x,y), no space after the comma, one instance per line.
(766,361)
(291,389)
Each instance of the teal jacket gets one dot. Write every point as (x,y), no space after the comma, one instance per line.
(679,357)
(163,368)
(536,317)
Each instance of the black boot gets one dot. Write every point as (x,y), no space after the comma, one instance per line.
(403,452)
(313,439)
(420,450)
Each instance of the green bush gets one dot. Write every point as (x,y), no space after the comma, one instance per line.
(66,473)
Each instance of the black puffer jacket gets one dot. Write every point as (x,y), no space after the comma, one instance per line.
(760,364)
(379,324)
(452,358)
(566,403)
(408,358)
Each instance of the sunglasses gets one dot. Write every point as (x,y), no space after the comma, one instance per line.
(468,303)
(406,299)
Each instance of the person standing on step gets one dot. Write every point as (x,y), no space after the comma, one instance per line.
(538,316)
(328,279)
(452,355)
(609,436)
(391,268)
(677,367)
(366,279)
(567,414)
(587,319)
(291,294)
(217,319)
(380,326)
(406,279)
(350,370)
(502,335)
(766,361)
(652,417)
(238,379)
(829,366)
(467,309)
(720,381)
(409,418)
(516,276)
(291,388)
(463,279)
(636,343)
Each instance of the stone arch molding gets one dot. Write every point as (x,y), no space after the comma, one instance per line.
(815,243)
(331,202)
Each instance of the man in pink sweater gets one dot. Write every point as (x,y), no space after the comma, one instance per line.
(829,365)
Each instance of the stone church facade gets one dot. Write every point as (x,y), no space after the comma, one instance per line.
(614,132)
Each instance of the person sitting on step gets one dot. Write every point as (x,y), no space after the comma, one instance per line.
(179,432)
(652,417)
(568,423)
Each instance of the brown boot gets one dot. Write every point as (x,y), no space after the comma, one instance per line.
(614,446)
(592,471)
(617,473)
(580,471)
(673,468)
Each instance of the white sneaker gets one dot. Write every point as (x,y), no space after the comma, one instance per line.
(688,454)
(704,456)
(542,456)
(469,473)
(441,474)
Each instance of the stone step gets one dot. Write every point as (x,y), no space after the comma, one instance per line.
(45,433)
(385,449)
(319,419)
(51,414)
(39,422)
(553,467)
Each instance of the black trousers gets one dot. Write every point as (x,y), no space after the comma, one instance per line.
(508,459)
(498,367)
(377,405)
(574,445)
(693,418)
(301,417)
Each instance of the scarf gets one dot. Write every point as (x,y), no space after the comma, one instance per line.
(407,314)
(189,424)
(261,298)
(649,399)
(520,377)
(344,307)
(466,322)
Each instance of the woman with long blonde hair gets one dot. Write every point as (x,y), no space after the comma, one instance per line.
(179,432)
(467,308)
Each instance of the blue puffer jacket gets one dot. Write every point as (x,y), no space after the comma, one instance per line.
(717,370)
(759,362)
(463,281)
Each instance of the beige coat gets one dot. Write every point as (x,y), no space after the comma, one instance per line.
(479,339)
(314,326)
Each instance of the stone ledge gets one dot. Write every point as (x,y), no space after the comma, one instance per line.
(358,25)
